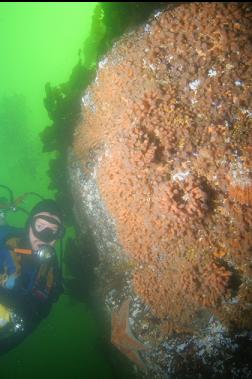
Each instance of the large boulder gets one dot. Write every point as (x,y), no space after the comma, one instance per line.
(161,169)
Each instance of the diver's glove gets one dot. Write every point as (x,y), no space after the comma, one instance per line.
(10,282)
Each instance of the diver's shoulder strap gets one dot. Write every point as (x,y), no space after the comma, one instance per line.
(7,232)
(9,261)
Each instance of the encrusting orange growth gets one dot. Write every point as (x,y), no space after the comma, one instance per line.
(159,116)
(242,194)
(179,290)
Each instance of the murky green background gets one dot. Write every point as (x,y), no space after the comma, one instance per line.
(40,43)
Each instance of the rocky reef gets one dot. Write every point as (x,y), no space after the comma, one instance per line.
(161,168)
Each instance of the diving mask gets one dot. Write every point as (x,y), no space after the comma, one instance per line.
(45,233)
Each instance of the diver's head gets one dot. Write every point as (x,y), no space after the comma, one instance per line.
(45,224)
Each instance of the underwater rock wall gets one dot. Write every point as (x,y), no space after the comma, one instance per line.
(161,165)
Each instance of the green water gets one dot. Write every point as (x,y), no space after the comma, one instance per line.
(40,43)
(65,345)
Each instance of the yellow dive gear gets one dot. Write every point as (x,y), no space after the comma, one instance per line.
(5,316)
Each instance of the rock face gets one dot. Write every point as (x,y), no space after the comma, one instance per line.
(161,168)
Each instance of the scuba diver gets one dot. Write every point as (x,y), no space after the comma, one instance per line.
(30,275)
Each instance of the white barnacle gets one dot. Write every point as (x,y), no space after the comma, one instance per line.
(147,28)
(212,72)
(194,84)
(180,175)
(153,67)
(156,15)
(103,63)
(238,83)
